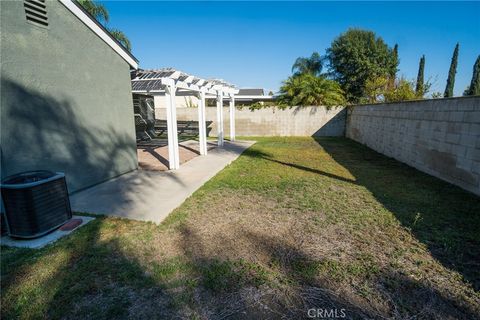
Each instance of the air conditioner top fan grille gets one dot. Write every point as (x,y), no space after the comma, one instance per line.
(29,179)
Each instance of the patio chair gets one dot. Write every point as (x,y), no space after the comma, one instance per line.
(141,128)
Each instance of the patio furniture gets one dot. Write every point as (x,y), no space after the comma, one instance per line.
(189,127)
(141,128)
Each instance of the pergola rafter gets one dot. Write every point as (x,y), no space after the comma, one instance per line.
(167,81)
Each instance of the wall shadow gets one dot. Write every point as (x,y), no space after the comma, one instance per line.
(50,133)
(334,127)
(440,215)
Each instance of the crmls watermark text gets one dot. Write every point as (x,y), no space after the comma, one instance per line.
(326,313)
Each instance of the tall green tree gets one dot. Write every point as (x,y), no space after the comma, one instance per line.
(100,12)
(312,65)
(420,88)
(310,90)
(451,74)
(396,61)
(474,88)
(356,56)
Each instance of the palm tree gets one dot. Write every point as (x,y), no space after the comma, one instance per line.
(100,12)
(122,38)
(97,10)
(310,90)
(312,65)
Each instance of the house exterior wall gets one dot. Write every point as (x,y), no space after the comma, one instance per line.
(440,137)
(296,121)
(66,102)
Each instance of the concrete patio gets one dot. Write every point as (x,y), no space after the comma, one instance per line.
(151,195)
(154,155)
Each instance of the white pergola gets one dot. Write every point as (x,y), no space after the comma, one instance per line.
(169,81)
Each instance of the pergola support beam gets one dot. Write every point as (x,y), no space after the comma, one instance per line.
(232,118)
(220,118)
(173,151)
(202,127)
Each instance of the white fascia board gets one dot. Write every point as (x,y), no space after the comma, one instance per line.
(152,92)
(99,32)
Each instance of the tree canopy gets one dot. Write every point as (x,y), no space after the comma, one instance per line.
(97,10)
(380,89)
(420,88)
(312,65)
(100,12)
(122,38)
(451,74)
(310,90)
(358,55)
(474,88)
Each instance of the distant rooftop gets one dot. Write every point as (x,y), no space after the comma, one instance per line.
(250,92)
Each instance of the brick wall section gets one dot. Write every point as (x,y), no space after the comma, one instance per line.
(440,136)
(297,121)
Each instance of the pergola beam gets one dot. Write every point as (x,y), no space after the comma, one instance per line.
(202,127)
(168,81)
(219,118)
(232,118)
(173,151)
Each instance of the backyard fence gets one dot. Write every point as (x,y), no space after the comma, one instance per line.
(440,136)
(296,121)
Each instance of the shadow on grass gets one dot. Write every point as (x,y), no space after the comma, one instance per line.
(440,215)
(82,277)
(246,289)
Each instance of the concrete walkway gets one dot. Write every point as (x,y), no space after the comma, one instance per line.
(152,195)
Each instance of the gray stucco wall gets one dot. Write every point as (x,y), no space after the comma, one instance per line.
(440,137)
(66,100)
(297,121)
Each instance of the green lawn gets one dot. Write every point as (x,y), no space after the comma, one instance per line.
(293,224)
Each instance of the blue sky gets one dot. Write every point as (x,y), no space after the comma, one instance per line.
(253,44)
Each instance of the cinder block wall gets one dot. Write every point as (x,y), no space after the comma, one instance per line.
(440,136)
(297,121)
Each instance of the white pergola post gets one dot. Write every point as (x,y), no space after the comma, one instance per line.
(173,152)
(232,118)
(220,117)
(202,130)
